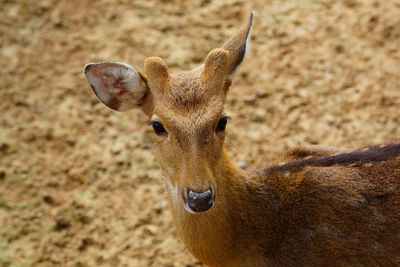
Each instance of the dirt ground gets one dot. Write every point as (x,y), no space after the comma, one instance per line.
(78,182)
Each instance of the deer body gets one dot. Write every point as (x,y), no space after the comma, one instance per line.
(344,214)
(316,207)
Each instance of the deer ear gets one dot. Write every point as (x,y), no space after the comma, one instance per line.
(118,85)
(238,46)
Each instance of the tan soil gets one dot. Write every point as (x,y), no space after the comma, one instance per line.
(78,182)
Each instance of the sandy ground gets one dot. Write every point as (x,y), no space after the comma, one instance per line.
(78,182)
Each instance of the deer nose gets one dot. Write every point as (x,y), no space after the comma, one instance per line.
(199,202)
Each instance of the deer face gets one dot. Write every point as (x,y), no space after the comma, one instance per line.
(189,123)
(186,111)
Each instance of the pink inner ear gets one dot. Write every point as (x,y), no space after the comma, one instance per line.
(118,87)
(113,82)
(121,93)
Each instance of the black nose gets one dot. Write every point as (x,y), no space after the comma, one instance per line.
(199,202)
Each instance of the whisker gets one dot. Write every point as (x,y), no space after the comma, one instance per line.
(230,141)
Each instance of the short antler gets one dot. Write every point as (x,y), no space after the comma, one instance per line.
(215,66)
(157,74)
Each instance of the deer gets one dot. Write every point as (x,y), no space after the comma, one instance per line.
(314,206)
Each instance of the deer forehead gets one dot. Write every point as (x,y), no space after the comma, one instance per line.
(190,120)
(185,95)
(183,91)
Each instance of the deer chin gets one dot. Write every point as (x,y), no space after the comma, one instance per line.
(191,211)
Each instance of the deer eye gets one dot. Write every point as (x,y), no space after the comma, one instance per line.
(222,124)
(158,128)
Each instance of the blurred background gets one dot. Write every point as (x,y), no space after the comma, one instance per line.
(78,182)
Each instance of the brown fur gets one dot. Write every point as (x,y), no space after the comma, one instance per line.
(337,210)
(315,207)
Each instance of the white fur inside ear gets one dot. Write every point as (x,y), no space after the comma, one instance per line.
(118,85)
(247,48)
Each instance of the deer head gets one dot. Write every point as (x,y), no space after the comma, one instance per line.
(186,111)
